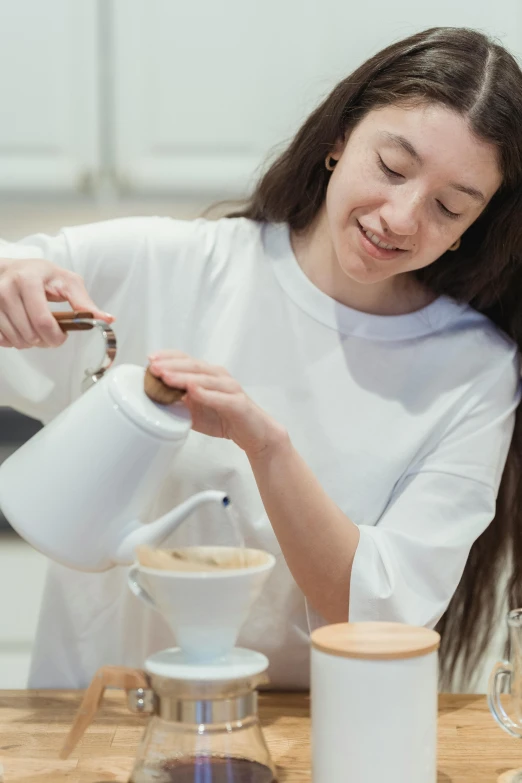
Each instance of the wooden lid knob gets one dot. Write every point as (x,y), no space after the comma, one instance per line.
(158,391)
(376,641)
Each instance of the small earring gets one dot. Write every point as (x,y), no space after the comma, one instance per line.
(455,245)
(330,163)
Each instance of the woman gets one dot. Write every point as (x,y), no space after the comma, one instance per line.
(349,341)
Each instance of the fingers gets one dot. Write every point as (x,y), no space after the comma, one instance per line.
(181,380)
(39,317)
(73,290)
(177,361)
(11,337)
(181,371)
(15,329)
(26,287)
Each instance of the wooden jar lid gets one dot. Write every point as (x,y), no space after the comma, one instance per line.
(375,641)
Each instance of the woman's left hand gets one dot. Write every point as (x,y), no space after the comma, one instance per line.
(217,403)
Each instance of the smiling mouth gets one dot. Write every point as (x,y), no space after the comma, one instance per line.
(377,241)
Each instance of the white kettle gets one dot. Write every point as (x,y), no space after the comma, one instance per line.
(77,490)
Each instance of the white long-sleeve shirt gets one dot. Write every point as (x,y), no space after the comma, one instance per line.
(405,420)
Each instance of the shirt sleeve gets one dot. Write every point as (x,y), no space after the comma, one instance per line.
(125,264)
(408,566)
(37,381)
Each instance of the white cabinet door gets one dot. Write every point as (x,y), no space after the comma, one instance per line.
(204,90)
(48,94)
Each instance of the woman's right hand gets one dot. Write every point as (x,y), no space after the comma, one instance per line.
(26,287)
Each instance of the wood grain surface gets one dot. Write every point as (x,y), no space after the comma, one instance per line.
(375,641)
(33,726)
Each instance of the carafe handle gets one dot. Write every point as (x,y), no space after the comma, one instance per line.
(106,677)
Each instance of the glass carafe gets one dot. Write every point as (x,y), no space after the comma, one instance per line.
(202,729)
(202,732)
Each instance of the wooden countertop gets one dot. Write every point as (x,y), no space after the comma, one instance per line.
(33,724)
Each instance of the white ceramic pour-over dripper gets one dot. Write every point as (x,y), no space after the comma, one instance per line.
(205,609)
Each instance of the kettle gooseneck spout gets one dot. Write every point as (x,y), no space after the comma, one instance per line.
(136,533)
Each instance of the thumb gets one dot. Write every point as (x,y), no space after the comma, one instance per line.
(77,297)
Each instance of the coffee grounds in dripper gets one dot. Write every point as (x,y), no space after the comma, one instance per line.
(196,559)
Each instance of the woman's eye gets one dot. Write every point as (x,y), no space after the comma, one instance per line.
(386,169)
(395,175)
(447,212)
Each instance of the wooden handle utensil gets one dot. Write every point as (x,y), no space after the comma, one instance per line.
(67,320)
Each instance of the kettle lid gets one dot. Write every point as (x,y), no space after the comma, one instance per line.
(125,385)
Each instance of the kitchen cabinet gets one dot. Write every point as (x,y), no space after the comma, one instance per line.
(48,95)
(133,97)
(204,90)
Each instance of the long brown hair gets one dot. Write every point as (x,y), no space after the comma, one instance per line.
(476,77)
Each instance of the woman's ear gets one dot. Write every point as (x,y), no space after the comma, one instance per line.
(338,147)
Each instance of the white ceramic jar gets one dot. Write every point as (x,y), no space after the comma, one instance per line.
(374,703)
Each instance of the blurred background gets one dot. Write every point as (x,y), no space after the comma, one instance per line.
(163,107)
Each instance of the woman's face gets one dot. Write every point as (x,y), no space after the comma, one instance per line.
(416,179)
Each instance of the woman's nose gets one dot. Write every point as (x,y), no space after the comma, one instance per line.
(402,214)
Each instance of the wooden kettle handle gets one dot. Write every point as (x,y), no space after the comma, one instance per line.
(67,320)
(107,676)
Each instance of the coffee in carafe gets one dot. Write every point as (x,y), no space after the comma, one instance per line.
(213,769)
